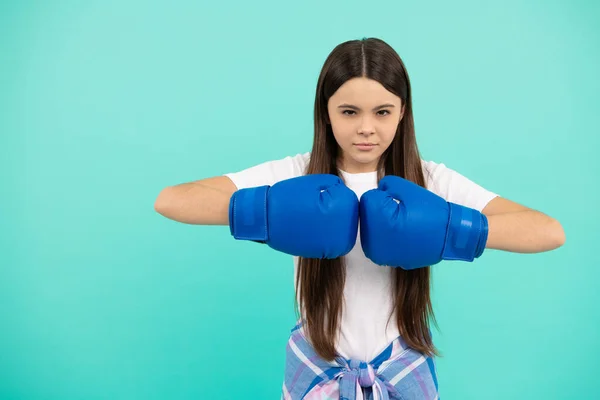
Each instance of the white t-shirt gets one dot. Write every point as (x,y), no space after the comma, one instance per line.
(368,287)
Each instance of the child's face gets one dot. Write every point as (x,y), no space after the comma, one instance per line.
(356,117)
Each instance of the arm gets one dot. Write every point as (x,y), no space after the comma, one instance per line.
(516,228)
(203,202)
(206,201)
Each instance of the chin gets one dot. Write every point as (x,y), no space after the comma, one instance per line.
(365,158)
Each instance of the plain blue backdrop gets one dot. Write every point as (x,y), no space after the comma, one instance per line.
(103,104)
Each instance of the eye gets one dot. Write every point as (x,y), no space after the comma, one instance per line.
(379,112)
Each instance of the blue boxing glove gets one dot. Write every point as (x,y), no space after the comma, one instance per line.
(405,225)
(312,216)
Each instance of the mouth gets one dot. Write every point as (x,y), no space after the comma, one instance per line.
(365,146)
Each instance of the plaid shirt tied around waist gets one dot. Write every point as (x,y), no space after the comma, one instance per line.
(397,373)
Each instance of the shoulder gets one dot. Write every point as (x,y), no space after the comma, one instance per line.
(454,186)
(290,166)
(300,162)
(271,171)
(435,174)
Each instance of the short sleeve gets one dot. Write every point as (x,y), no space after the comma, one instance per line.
(270,172)
(454,187)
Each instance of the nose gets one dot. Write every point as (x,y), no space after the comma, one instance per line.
(366,127)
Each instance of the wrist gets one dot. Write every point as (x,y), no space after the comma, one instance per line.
(466,234)
(248,214)
(483,236)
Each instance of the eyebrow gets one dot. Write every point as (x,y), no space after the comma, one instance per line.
(356,108)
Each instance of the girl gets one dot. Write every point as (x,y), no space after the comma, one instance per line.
(364,218)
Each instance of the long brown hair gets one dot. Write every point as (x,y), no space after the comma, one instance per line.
(320,282)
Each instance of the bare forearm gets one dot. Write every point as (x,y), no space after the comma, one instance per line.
(194,203)
(527,231)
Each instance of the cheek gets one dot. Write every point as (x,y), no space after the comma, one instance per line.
(388,135)
(341,132)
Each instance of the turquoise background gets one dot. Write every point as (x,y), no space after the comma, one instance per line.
(103,104)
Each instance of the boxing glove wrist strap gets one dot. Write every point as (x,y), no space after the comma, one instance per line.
(466,235)
(248,214)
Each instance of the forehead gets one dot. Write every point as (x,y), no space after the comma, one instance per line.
(365,91)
